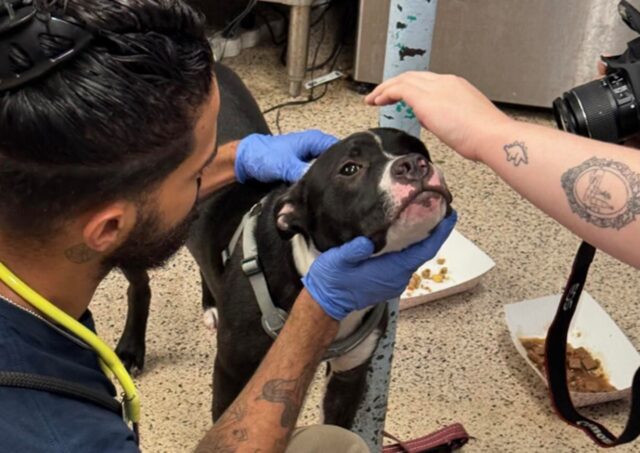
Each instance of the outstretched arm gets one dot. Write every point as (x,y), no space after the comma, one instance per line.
(591,187)
(265,413)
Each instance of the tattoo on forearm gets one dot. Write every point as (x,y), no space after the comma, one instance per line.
(517,153)
(227,433)
(603,192)
(290,393)
(80,254)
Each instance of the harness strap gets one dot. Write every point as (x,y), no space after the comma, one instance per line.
(226,253)
(555,352)
(273,318)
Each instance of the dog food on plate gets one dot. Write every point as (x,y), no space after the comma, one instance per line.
(584,372)
(423,279)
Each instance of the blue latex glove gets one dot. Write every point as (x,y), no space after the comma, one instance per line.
(270,158)
(344,279)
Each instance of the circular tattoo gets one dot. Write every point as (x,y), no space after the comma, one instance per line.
(603,192)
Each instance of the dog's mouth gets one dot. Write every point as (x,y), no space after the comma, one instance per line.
(425,197)
(432,191)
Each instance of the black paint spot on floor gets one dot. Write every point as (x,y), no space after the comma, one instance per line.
(401,25)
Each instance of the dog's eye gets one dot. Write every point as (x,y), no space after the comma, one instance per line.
(350,169)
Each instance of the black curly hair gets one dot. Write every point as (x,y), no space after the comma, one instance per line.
(109,124)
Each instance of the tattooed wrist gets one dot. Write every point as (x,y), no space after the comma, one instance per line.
(603,192)
(517,153)
(228,432)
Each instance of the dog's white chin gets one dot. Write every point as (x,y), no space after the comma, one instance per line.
(413,225)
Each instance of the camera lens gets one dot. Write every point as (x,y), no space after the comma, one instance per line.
(604,109)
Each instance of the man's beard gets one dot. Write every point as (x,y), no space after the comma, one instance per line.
(147,247)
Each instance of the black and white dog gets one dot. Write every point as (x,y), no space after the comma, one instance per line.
(379,183)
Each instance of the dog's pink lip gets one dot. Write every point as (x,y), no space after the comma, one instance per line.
(413,198)
(437,190)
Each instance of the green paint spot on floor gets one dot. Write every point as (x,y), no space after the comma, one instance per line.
(412,18)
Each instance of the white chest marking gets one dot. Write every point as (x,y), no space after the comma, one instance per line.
(304,254)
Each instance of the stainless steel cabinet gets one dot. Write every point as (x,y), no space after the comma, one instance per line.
(518,51)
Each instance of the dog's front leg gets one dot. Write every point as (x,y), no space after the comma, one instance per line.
(345,390)
(347,381)
(131,347)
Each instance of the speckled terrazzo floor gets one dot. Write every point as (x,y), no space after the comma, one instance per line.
(454,359)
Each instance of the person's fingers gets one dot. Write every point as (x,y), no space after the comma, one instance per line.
(418,79)
(412,91)
(312,143)
(395,93)
(385,86)
(377,91)
(418,254)
(296,171)
(357,250)
(602,68)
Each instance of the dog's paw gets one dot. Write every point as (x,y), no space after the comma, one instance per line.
(210,318)
(132,358)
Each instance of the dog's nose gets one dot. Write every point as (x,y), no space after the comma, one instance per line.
(411,168)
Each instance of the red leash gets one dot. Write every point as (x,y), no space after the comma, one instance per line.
(444,440)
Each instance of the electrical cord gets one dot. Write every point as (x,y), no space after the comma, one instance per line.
(231,28)
(311,99)
(274,38)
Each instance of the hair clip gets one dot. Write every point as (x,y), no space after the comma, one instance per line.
(21,27)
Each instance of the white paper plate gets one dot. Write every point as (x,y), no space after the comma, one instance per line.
(465,264)
(591,328)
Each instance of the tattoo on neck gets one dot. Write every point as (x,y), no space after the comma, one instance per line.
(290,393)
(603,192)
(80,254)
(517,153)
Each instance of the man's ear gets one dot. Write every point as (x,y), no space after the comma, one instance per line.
(290,212)
(108,227)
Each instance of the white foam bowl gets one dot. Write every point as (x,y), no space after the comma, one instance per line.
(465,263)
(591,328)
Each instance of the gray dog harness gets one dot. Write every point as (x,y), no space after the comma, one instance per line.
(273,318)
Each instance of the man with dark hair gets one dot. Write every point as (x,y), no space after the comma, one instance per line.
(108,112)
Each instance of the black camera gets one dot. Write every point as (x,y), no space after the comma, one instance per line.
(607,109)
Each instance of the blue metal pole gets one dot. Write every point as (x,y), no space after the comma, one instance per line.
(410,34)
(409,39)
(371,415)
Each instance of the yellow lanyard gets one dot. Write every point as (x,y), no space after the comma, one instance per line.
(108,358)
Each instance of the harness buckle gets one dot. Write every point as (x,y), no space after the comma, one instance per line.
(273,322)
(251,266)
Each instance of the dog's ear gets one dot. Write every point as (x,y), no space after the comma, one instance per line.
(290,212)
